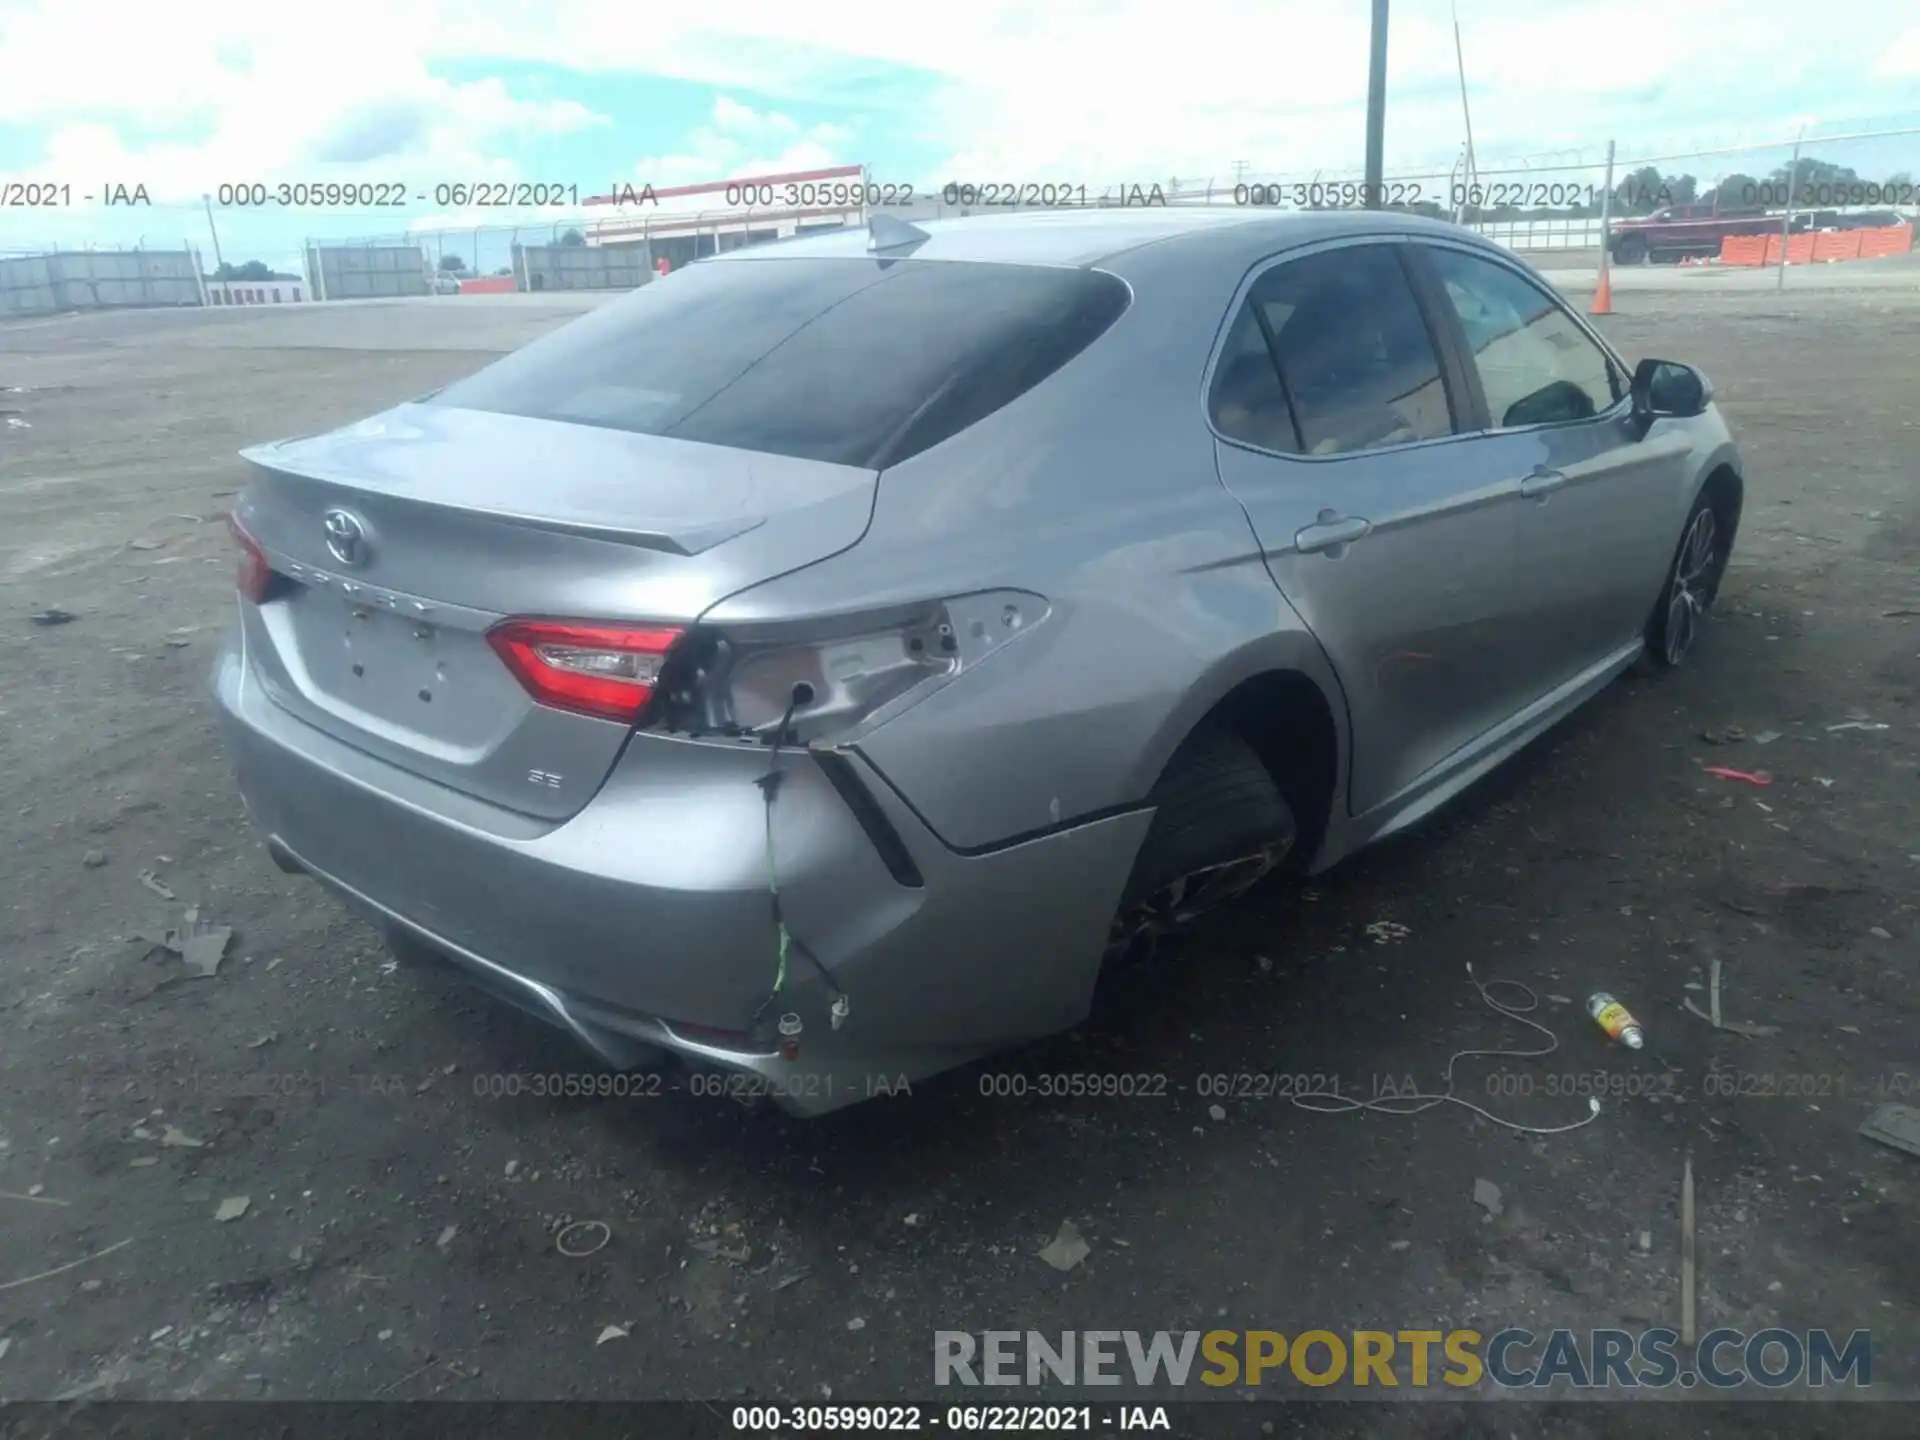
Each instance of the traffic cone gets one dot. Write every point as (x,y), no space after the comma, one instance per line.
(1603,297)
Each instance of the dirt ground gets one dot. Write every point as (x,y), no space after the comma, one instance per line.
(399,1235)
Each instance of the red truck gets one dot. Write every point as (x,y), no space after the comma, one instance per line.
(1679,231)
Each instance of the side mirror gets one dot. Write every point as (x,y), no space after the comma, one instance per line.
(1668,389)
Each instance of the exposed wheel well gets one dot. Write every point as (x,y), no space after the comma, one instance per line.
(1726,492)
(1286,720)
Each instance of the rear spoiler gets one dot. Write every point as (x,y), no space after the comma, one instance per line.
(669,539)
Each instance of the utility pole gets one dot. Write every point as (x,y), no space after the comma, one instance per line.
(1376,104)
(218,264)
(1460,60)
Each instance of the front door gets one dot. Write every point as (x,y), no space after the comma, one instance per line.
(1335,425)
(1597,517)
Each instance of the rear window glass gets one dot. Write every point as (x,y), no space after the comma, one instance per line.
(854,361)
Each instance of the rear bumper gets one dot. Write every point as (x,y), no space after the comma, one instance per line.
(646,917)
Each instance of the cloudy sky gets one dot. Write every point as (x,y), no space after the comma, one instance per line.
(183,97)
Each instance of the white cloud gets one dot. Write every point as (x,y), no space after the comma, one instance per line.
(264,94)
(739,140)
(1086,91)
(730,117)
(1902,57)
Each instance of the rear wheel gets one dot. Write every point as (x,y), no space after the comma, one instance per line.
(1693,581)
(1220,826)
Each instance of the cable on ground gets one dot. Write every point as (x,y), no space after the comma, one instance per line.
(1334,1103)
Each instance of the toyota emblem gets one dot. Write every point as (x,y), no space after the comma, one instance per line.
(346,537)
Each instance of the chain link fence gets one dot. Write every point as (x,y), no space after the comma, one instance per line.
(1569,208)
(1655,203)
(1561,205)
(60,281)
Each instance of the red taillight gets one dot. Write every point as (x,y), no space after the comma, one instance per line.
(253,574)
(603,670)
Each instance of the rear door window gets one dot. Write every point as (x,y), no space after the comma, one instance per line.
(853,361)
(1536,365)
(1356,367)
(1247,402)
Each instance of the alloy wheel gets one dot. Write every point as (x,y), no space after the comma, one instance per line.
(1692,590)
(1137,928)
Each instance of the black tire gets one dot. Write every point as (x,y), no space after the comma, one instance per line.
(1692,583)
(1220,825)
(1632,250)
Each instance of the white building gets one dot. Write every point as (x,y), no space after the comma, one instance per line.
(684,223)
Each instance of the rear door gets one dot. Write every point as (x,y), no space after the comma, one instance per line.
(1335,417)
(1596,518)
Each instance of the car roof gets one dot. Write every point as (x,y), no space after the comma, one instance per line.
(1087,237)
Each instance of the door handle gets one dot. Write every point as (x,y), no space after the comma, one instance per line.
(1331,532)
(1542,483)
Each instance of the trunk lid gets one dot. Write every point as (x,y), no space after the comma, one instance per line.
(407,536)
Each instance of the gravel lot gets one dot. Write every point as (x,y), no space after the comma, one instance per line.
(399,1236)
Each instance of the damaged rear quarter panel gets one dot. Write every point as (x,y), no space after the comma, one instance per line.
(1097,491)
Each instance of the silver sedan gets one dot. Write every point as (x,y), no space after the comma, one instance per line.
(824,663)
